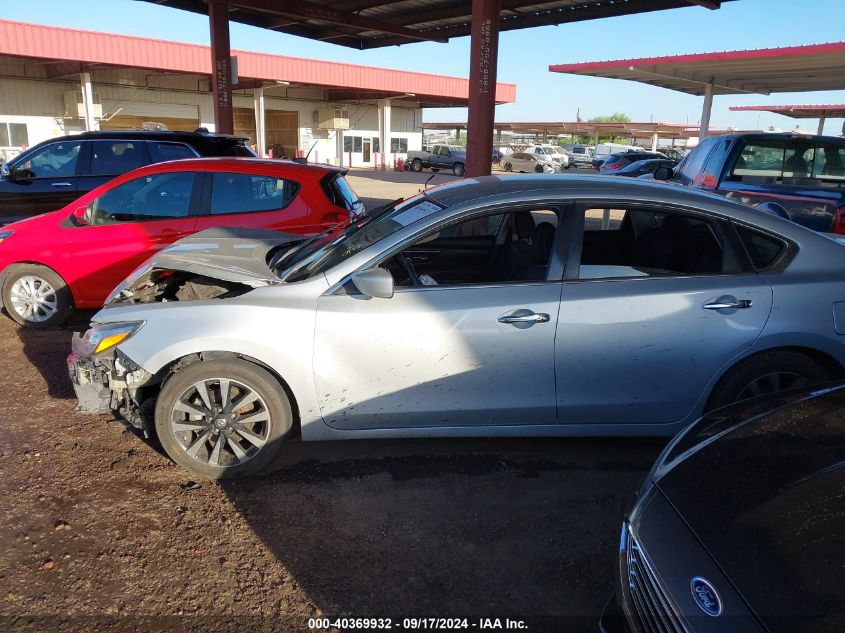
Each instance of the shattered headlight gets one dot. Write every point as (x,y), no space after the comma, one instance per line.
(104,336)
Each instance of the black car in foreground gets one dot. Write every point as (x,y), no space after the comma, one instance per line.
(51,174)
(740,525)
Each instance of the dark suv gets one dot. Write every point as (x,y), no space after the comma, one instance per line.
(53,173)
(800,177)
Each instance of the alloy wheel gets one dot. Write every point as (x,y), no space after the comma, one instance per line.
(220,422)
(772,383)
(33,299)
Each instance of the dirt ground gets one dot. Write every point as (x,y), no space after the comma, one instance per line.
(101,531)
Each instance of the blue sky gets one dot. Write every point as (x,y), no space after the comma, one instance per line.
(524,56)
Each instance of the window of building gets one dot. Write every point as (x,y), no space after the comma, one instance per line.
(399,144)
(13,135)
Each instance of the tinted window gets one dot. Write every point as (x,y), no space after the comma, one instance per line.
(829,162)
(243,193)
(762,159)
(116,157)
(644,243)
(170,151)
(468,252)
(149,198)
(762,249)
(57,160)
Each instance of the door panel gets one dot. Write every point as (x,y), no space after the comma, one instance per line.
(437,356)
(642,351)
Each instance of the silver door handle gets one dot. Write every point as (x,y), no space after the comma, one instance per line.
(524,318)
(61,184)
(738,304)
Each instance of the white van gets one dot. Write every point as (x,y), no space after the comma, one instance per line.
(604,150)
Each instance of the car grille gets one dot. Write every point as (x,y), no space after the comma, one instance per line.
(652,604)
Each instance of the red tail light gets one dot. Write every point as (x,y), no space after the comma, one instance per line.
(839,221)
(614,166)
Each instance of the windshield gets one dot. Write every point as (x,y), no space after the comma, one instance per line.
(329,249)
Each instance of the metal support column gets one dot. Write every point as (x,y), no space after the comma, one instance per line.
(822,119)
(706,109)
(484,51)
(221,67)
(260,134)
(383,129)
(654,140)
(91,122)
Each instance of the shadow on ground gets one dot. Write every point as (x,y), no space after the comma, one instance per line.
(519,528)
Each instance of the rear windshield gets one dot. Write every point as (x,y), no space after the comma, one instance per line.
(340,193)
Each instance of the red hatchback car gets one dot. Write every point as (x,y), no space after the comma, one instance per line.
(74,257)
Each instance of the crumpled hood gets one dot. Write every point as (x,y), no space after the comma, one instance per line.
(229,254)
(767,500)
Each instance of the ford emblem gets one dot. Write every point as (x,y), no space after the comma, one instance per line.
(706,596)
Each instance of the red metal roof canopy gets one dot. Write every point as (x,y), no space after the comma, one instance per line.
(763,71)
(831,111)
(70,51)
(375,23)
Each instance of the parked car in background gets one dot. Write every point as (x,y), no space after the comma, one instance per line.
(553,152)
(579,155)
(536,163)
(675,153)
(622,159)
(740,524)
(452,157)
(800,176)
(493,306)
(51,174)
(603,151)
(73,257)
(640,168)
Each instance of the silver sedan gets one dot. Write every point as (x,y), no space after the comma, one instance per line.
(498,306)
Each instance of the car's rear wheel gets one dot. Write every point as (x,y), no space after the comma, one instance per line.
(222,419)
(765,374)
(36,296)
(416,165)
(458,169)
(508,167)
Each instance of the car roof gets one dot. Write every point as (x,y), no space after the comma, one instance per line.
(222,163)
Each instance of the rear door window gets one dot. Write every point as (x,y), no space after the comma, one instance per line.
(247,193)
(763,250)
(111,158)
(162,152)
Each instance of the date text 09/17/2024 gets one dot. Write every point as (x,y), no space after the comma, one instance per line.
(416,624)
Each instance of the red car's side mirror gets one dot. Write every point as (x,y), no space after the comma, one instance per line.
(82,215)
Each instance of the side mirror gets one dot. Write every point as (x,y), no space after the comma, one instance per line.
(82,215)
(662,173)
(374,282)
(4,171)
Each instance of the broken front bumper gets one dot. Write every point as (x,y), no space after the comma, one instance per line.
(108,382)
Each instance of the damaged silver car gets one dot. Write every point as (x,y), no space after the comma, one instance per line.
(498,306)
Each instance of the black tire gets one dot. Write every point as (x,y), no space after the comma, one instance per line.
(458,169)
(41,311)
(508,167)
(209,431)
(768,372)
(416,165)
(538,169)
(568,165)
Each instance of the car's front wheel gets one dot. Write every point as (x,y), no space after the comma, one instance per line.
(764,374)
(416,165)
(36,296)
(222,419)
(458,169)
(508,167)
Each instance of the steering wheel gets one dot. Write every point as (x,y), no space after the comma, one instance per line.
(409,268)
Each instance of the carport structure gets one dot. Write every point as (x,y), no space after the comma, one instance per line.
(820,112)
(365,24)
(761,71)
(543,130)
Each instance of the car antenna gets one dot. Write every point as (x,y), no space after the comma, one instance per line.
(430,178)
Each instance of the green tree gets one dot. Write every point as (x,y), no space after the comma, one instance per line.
(616,117)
